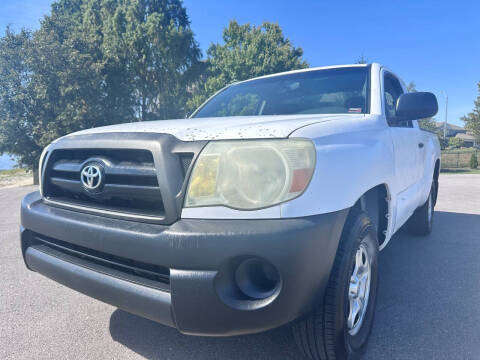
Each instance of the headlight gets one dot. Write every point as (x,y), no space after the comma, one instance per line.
(251,174)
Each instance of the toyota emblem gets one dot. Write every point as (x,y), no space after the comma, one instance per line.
(91,177)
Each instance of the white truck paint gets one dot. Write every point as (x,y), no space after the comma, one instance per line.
(355,152)
(264,220)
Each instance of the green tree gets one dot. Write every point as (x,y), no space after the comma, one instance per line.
(17,128)
(247,51)
(473,161)
(361,60)
(93,63)
(455,143)
(411,87)
(73,83)
(154,40)
(472,120)
(427,123)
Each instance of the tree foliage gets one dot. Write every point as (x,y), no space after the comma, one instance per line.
(455,143)
(154,41)
(473,161)
(411,87)
(472,120)
(100,62)
(428,124)
(361,60)
(18,132)
(93,63)
(247,51)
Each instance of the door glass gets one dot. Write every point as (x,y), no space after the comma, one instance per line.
(392,91)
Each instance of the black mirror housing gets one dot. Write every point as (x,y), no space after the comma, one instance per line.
(416,105)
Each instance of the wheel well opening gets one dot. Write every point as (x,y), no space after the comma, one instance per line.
(436,174)
(375,203)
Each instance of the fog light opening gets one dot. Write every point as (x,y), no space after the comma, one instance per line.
(257,278)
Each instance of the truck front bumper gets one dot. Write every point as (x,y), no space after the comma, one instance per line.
(204,277)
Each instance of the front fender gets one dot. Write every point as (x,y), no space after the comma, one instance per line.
(348,165)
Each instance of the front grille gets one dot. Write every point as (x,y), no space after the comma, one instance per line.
(186,161)
(143,175)
(129,182)
(126,269)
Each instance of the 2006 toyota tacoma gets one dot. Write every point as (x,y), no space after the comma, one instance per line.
(267,206)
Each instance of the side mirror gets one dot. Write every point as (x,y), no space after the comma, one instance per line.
(416,105)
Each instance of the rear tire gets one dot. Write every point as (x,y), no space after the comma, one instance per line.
(339,327)
(421,221)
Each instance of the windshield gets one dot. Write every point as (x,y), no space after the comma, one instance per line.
(329,91)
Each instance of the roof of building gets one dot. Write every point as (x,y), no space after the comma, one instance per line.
(467,137)
(450,126)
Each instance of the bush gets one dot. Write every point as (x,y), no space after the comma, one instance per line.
(473,161)
(443,142)
(455,143)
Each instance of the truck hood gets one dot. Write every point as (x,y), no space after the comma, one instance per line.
(223,128)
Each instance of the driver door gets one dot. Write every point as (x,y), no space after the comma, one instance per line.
(405,138)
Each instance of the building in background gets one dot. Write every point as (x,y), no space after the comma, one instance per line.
(468,139)
(452,130)
(455,131)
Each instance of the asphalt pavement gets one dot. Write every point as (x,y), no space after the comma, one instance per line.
(428,300)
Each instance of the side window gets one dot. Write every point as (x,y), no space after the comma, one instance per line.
(392,91)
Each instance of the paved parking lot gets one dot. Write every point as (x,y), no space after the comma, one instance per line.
(428,305)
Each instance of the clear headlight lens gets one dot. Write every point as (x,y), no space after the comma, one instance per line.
(251,174)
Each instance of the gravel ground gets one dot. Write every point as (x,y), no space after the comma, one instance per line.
(427,304)
(15,178)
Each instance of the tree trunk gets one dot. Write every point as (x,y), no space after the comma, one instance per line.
(144,109)
(35,175)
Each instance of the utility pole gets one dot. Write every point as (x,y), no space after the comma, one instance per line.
(445,123)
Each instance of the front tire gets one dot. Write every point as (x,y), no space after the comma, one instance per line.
(340,325)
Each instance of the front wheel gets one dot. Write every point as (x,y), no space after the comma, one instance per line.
(340,325)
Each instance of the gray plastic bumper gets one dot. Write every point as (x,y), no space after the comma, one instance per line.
(201,256)
(140,300)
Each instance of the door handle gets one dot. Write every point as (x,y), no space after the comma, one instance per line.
(420,145)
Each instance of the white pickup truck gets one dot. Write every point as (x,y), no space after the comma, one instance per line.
(267,206)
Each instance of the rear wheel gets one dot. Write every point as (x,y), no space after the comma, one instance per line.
(340,325)
(422,219)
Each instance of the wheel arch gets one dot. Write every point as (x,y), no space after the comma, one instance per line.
(436,174)
(376,203)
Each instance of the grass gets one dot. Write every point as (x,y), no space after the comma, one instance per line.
(13,172)
(460,171)
(15,177)
(459,150)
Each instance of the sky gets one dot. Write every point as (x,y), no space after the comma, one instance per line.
(436,44)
